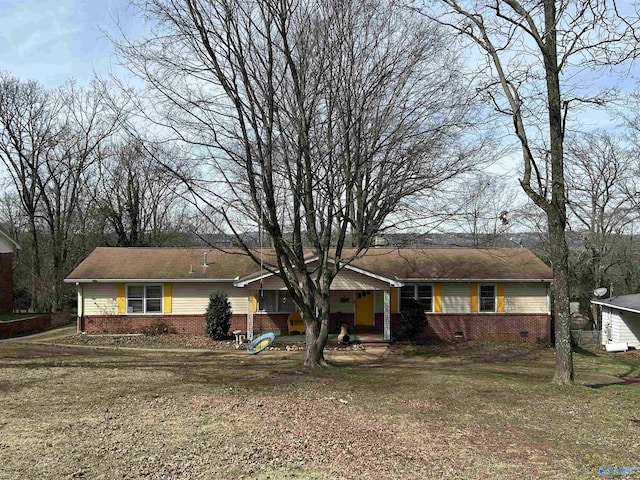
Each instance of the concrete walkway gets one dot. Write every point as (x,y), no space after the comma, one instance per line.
(47,336)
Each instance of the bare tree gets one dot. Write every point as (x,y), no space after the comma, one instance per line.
(598,181)
(28,127)
(483,207)
(139,200)
(535,52)
(318,121)
(48,142)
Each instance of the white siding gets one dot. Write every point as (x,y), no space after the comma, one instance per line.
(338,306)
(626,329)
(525,298)
(350,280)
(455,298)
(100,298)
(193,298)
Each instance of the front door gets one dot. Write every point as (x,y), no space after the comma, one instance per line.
(364,308)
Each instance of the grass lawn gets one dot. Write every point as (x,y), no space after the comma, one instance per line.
(459,411)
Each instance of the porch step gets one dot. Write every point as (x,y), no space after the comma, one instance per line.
(370,338)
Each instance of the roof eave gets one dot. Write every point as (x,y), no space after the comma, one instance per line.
(617,307)
(480,280)
(11,240)
(150,280)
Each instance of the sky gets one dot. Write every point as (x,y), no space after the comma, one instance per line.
(53,41)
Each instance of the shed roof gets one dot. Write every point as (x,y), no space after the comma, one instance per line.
(187,264)
(630,303)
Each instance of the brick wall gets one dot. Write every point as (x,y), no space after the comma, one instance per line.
(34,324)
(497,327)
(269,322)
(185,324)
(6,282)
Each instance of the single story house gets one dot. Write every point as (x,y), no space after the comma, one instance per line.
(620,319)
(482,294)
(7,248)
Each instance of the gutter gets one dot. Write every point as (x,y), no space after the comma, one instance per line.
(150,280)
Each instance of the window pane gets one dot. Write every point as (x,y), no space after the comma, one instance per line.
(135,291)
(154,291)
(268,301)
(134,306)
(285,303)
(424,291)
(408,291)
(487,298)
(154,305)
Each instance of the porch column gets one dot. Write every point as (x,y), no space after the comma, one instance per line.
(250,326)
(387,315)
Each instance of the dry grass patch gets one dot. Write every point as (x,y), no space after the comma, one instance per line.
(459,411)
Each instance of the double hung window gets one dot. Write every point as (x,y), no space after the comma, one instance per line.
(144,298)
(423,294)
(487,298)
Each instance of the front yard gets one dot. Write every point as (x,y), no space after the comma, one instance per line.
(456,411)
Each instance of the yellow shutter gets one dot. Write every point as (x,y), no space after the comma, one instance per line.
(500,297)
(253,303)
(122,298)
(437,298)
(168,288)
(473,294)
(394,299)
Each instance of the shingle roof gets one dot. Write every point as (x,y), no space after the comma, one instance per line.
(163,263)
(623,302)
(455,264)
(113,263)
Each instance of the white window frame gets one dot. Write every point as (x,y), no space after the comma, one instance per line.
(144,298)
(415,293)
(279,295)
(495,297)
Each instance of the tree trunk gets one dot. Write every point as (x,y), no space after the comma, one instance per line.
(317,333)
(557,208)
(562,325)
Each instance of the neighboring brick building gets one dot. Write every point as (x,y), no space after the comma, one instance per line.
(471,294)
(7,248)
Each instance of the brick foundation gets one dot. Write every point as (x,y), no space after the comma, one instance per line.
(440,327)
(269,322)
(6,282)
(512,327)
(185,324)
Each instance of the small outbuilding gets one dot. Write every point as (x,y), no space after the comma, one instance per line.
(620,320)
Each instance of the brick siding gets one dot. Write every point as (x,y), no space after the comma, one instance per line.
(497,327)
(185,324)
(6,282)
(440,327)
(34,324)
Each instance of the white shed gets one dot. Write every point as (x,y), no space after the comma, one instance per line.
(620,319)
